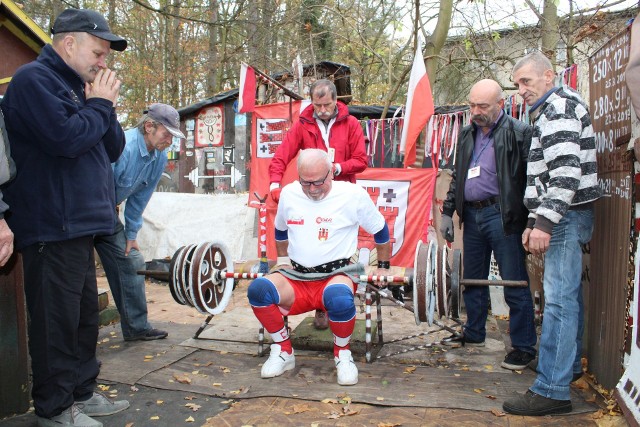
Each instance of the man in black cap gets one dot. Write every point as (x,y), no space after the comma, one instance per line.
(137,173)
(61,119)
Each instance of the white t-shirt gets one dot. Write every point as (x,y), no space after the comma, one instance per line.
(326,230)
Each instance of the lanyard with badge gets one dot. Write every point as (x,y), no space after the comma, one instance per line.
(474,172)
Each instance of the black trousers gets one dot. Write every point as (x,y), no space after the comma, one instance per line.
(62,301)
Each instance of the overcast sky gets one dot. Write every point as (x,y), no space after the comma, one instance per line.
(498,14)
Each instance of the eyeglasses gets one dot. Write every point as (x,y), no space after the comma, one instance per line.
(316,183)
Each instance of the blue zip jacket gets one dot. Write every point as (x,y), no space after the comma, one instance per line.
(137,173)
(63,146)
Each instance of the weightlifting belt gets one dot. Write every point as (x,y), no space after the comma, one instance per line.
(322,268)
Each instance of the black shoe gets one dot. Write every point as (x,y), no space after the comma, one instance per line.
(517,360)
(321,320)
(534,405)
(456,341)
(151,334)
(576,376)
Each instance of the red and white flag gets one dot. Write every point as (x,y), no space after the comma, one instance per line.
(247,94)
(419,107)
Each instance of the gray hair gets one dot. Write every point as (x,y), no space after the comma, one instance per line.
(539,61)
(321,87)
(144,119)
(313,155)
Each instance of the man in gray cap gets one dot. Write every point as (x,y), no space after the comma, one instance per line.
(64,134)
(137,173)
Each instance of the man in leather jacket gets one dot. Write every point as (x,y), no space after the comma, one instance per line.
(487,192)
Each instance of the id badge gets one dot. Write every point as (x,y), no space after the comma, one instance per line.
(474,172)
(332,154)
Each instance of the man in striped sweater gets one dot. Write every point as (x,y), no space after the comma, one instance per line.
(562,184)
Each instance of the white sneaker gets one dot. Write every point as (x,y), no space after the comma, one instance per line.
(72,416)
(278,362)
(347,370)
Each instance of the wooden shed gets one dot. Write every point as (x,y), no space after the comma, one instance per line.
(21,40)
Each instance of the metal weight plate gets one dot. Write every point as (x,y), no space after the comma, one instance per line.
(455,294)
(214,289)
(174,275)
(443,280)
(432,264)
(420,283)
(185,272)
(194,277)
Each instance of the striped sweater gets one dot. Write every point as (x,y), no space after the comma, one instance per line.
(562,168)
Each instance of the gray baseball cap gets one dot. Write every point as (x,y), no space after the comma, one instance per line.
(168,116)
(87,21)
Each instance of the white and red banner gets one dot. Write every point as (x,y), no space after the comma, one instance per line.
(247,95)
(270,123)
(419,107)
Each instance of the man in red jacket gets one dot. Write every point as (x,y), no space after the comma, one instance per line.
(325,124)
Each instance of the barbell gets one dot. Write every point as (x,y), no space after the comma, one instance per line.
(202,276)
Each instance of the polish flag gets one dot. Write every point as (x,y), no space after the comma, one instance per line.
(419,107)
(247,95)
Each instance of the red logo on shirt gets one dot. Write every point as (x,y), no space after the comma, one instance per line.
(320,220)
(323,234)
(295,221)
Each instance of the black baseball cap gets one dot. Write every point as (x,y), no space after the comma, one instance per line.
(87,21)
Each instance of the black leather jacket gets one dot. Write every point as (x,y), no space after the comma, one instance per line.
(511,139)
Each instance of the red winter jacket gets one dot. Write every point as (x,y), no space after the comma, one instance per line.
(346,138)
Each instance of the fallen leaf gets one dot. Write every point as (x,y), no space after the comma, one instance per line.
(193,406)
(155,417)
(298,409)
(478,390)
(148,356)
(195,372)
(488,367)
(103,387)
(488,396)
(388,425)
(159,402)
(334,415)
(134,388)
(409,370)
(128,425)
(114,346)
(597,415)
(216,384)
(411,395)
(329,401)
(189,397)
(456,375)
(189,420)
(379,399)
(182,379)
(498,413)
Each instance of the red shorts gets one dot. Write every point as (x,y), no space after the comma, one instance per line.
(308,294)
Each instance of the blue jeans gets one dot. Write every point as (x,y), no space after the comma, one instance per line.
(127,287)
(483,233)
(563,323)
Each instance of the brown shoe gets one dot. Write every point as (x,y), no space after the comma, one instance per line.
(321,321)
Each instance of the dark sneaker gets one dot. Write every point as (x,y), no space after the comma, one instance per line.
(100,405)
(321,321)
(151,334)
(517,360)
(533,405)
(576,376)
(455,341)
